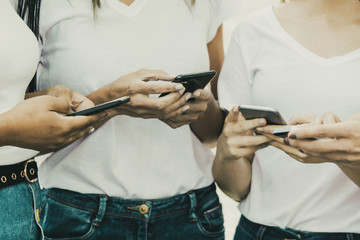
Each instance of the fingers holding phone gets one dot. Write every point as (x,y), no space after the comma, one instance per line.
(45,128)
(237,139)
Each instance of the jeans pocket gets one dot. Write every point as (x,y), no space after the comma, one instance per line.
(62,220)
(211,221)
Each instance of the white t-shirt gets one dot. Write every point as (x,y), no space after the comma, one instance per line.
(127,157)
(19,56)
(265,66)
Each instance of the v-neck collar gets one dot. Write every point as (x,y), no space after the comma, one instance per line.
(128,10)
(307,52)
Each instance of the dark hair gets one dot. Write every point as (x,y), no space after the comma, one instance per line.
(29,10)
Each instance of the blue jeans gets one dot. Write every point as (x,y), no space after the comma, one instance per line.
(195,215)
(247,230)
(17,212)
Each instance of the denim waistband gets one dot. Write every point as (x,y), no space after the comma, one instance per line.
(142,209)
(259,231)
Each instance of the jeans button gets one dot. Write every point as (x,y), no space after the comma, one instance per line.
(143,209)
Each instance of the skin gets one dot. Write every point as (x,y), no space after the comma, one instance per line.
(174,109)
(216,54)
(333,142)
(236,148)
(335,24)
(39,123)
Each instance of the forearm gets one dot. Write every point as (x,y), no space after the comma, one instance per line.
(352,171)
(35,94)
(233,177)
(5,133)
(209,125)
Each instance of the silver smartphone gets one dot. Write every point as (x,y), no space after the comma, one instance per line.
(272,116)
(284,131)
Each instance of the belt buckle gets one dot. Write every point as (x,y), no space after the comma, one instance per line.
(25,171)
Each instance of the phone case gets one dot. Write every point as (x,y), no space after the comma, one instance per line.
(101,107)
(193,81)
(271,115)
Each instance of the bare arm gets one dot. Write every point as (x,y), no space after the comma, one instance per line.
(209,124)
(235,151)
(216,54)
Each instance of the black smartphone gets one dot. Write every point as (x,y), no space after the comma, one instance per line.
(272,116)
(101,107)
(193,81)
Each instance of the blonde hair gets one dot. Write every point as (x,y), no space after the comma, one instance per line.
(96,4)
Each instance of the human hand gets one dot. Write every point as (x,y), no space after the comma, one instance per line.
(336,142)
(196,104)
(77,100)
(139,85)
(174,109)
(143,81)
(293,147)
(326,118)
(237,139)
(300,121)
(39,123)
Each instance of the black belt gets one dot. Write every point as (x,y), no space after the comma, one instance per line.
(26,171)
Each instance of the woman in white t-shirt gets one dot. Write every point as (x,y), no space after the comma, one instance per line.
(299,57)
(146,173)
(27,127)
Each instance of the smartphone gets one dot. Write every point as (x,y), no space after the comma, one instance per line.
(272,116)
(284,131)
(193,81)
(101,107)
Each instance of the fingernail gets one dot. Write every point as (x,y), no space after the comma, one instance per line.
(73,108)
(259,129)
(179,87)
(292,136)
(300,150)
(186,108)
(262,122)
(182,91)
(286,141)
(91,130)
(197,94)
(188,96)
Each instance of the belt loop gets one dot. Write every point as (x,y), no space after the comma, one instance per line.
(261,232)
(349,236)
(101,211)
(193,203)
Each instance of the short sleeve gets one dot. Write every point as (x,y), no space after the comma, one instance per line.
(221,10)
(235,83)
